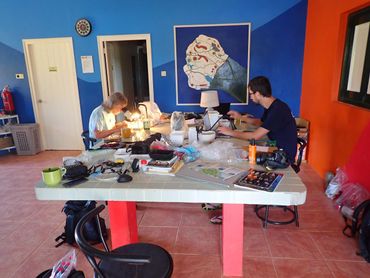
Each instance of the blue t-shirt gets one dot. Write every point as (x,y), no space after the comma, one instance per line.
(279,121)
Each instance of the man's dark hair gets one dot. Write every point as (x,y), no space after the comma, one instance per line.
(262,85)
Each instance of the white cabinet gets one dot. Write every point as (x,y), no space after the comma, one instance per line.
(5,133)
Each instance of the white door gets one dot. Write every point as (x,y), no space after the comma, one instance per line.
(55,98)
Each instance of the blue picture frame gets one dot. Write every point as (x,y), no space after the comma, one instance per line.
(229,75)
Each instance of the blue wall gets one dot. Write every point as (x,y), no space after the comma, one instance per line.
(277,42)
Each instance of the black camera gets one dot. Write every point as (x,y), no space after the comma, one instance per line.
(274,160)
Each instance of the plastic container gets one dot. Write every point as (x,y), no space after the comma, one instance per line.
(252,151)
(26,138)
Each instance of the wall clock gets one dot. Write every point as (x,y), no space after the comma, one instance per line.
(83,27)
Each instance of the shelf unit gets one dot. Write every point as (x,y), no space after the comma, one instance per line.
(4,120)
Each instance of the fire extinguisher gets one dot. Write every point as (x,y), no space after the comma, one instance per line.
(7,98)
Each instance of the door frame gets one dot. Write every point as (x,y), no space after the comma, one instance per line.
(134,37)
(76,102)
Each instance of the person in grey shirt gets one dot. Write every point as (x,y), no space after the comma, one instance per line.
(102,122)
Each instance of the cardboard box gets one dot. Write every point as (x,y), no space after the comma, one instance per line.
(6,142)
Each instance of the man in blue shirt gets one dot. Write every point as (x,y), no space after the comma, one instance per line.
(277,121)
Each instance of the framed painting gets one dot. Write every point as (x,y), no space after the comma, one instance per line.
(212,57)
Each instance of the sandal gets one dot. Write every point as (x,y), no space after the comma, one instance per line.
(216,219)
(209,206)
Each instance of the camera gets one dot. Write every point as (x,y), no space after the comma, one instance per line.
(274,160)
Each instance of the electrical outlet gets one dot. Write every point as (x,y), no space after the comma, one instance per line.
(19,76)
(163,73)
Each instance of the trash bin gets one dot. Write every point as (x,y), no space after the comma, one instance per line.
(26,138)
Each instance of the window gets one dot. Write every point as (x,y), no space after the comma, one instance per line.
(355,86)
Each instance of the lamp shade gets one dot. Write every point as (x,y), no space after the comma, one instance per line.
(209,99)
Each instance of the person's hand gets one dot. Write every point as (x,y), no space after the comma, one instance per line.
(121,124)
(234,114)
(247,118)
(225,130)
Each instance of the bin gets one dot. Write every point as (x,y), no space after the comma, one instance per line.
(26,138)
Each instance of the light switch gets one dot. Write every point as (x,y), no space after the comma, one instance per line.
(19,75)
(163,73)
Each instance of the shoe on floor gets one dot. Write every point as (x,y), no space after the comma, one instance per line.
(216,219)
(209,206)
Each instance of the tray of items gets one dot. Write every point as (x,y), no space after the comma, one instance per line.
(259,180)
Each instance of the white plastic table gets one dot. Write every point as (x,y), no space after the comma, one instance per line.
(121,199)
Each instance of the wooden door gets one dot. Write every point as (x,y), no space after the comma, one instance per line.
(55,97)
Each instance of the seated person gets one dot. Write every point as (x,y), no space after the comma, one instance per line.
(277,121)
(102,122)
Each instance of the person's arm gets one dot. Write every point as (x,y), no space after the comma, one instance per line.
(257,134)
(100,134)
(249,119)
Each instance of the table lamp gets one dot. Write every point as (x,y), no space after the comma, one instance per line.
(209,99)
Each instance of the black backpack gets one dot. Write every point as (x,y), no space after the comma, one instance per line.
(353,219)
(74,211)
(364,234)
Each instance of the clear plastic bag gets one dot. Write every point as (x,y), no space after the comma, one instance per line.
(65,265)
(333,188)
(352,194)
(218,151)
(177,121)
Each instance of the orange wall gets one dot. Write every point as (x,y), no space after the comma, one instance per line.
(335,126)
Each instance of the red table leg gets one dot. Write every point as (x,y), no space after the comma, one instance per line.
(123,226)
(232,239)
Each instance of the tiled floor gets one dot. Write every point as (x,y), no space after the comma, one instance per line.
(316,249)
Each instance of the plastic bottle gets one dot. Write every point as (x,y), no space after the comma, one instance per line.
(192,134)
(252,150)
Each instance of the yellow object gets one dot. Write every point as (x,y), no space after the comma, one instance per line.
(252,151)
(53,176)
(126,132)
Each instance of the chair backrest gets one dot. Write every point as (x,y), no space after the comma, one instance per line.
(302,145)
(91,252)
(88,141)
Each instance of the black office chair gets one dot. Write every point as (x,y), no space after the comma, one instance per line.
(88,141)
(132,260)
(286,209)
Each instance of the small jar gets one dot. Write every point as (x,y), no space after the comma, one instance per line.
(146,124)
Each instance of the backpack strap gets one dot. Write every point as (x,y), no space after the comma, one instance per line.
(364,235)
(70,229)
(355,225)
(359,208)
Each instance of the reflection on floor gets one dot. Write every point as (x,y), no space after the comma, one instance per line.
(316,249)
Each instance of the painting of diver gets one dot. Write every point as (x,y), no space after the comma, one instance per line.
(212,57)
